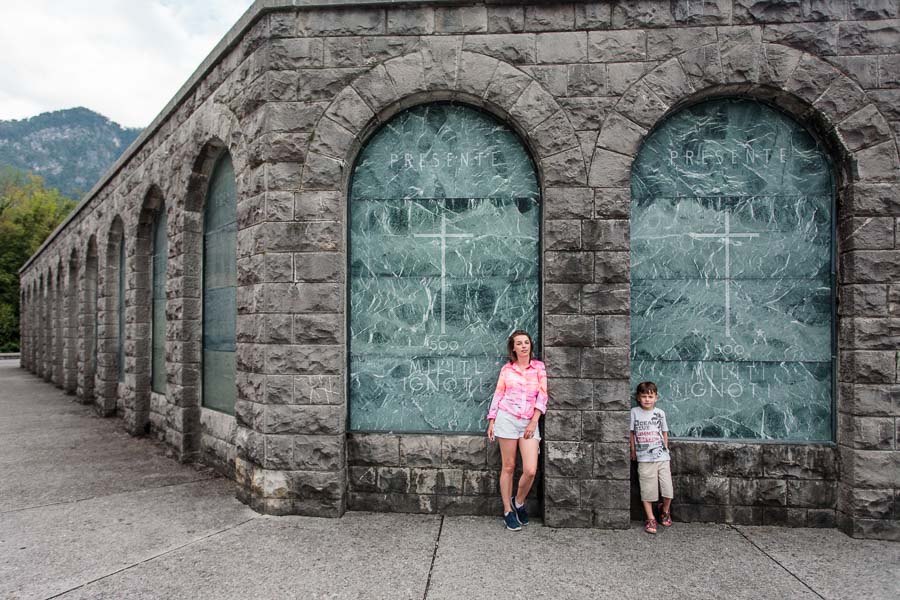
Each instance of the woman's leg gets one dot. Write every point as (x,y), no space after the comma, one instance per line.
(508,456)
(529,450)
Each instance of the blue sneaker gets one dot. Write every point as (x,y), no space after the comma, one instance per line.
(521,512)
(512,523)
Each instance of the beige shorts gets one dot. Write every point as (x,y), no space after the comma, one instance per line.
(655,477)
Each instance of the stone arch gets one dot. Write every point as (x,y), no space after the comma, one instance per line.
(89,322)
(809,89)
(58,323)
(108,321)
(443,72)
(70,360)
(137,415)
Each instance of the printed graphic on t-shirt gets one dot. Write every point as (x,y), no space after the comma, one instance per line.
(648,427)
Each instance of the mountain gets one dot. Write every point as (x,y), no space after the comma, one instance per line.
(70,149)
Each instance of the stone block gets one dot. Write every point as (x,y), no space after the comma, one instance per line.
(550,17)
(468,505)
(876,529)
(295,53)
(569,267)
(754,11)
(464,451)
(704,12)
(869,469)
(612,267)
(870,266)
(875,199)
(612,519)
(420,451)
(555,134)
(318,389)
(820,518)
(436,481)
(842,98)
(481,483)
(810,494)
(304,360)
(569,394)
(318,452)
(564,169)
(308,419)
(507,84)
(562,298)
(362,21)
(605,426)
(322,172)
(568,203)
(819,38)
(511,48)
(376,449)
(605,494)
(394,480)
(617,46)
(621,135)
(612,331)
(612,394)
(317,206)
(563,425)
(568,459)
(743,515)
(505,19)
(811,461)
(610,169)
(319,267)
(393,503)
(440,60)
(410,21)
(865,127)
(606,298)
(567,517)
(759,492)
(699,489)
(861,37)
(562,234)
(587,80)
(562,492)
(363,479)
(868,366)
(605,363)
(318,328)
(870,333)
(612,461)
(642,13)
(863,300)
(376,88)
(562,361)
(565,47)
(301,298)
(569,330)
(460,19)
(878,163)
(586,112)
(475,73)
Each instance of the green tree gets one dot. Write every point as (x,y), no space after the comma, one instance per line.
(29,212)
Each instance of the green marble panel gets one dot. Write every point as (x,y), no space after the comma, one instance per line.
(220,288)
(158,329)
(732,273)
(444,264)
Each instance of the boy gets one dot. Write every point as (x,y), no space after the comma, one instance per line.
(650,448)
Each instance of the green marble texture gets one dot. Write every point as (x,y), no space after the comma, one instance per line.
(220,288)
(444,264)
(732,274)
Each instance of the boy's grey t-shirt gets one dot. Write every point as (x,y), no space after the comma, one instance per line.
(648,426)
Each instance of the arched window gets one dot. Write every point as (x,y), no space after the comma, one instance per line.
(219,288)
(444,265)
(732,273)
(120,313)
(158,308)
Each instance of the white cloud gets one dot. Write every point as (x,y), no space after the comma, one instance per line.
(123,59)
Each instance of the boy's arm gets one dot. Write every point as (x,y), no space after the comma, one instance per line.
(665,439)
(631,444)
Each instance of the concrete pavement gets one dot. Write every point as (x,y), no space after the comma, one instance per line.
(87,511)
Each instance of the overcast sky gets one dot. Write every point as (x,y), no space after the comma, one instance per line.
(122,58)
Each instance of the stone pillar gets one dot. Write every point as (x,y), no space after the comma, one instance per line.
(869,407)
(59,338)
(70,360)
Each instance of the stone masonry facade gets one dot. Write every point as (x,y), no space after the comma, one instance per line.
(293,92)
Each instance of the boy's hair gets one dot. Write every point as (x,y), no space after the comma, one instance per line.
(511,345)
(645,387)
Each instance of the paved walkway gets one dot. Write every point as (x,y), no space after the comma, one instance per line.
(87,511)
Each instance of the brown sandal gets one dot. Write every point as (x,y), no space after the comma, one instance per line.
(650,526)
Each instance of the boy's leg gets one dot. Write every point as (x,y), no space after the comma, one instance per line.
(647,479)
(665,486)
(508,457)
(529,450)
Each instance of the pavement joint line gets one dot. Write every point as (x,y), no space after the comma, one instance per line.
(776,561)
(86,498)
(437,543)
(155,556)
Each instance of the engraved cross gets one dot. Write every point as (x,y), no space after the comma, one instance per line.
(726,239)
(443,235)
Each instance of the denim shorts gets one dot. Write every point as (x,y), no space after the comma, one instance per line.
(509,427)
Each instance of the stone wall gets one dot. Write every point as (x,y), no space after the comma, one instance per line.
(292,93)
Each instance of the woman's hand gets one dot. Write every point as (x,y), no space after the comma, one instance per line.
(490,431)
(529,430)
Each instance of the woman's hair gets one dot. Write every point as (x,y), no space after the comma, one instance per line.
(645,387)
(511,345)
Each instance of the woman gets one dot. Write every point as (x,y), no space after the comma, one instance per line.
(519,401)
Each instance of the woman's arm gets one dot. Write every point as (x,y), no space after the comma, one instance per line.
(498,396)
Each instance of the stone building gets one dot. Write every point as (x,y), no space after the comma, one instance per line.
(350,205)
